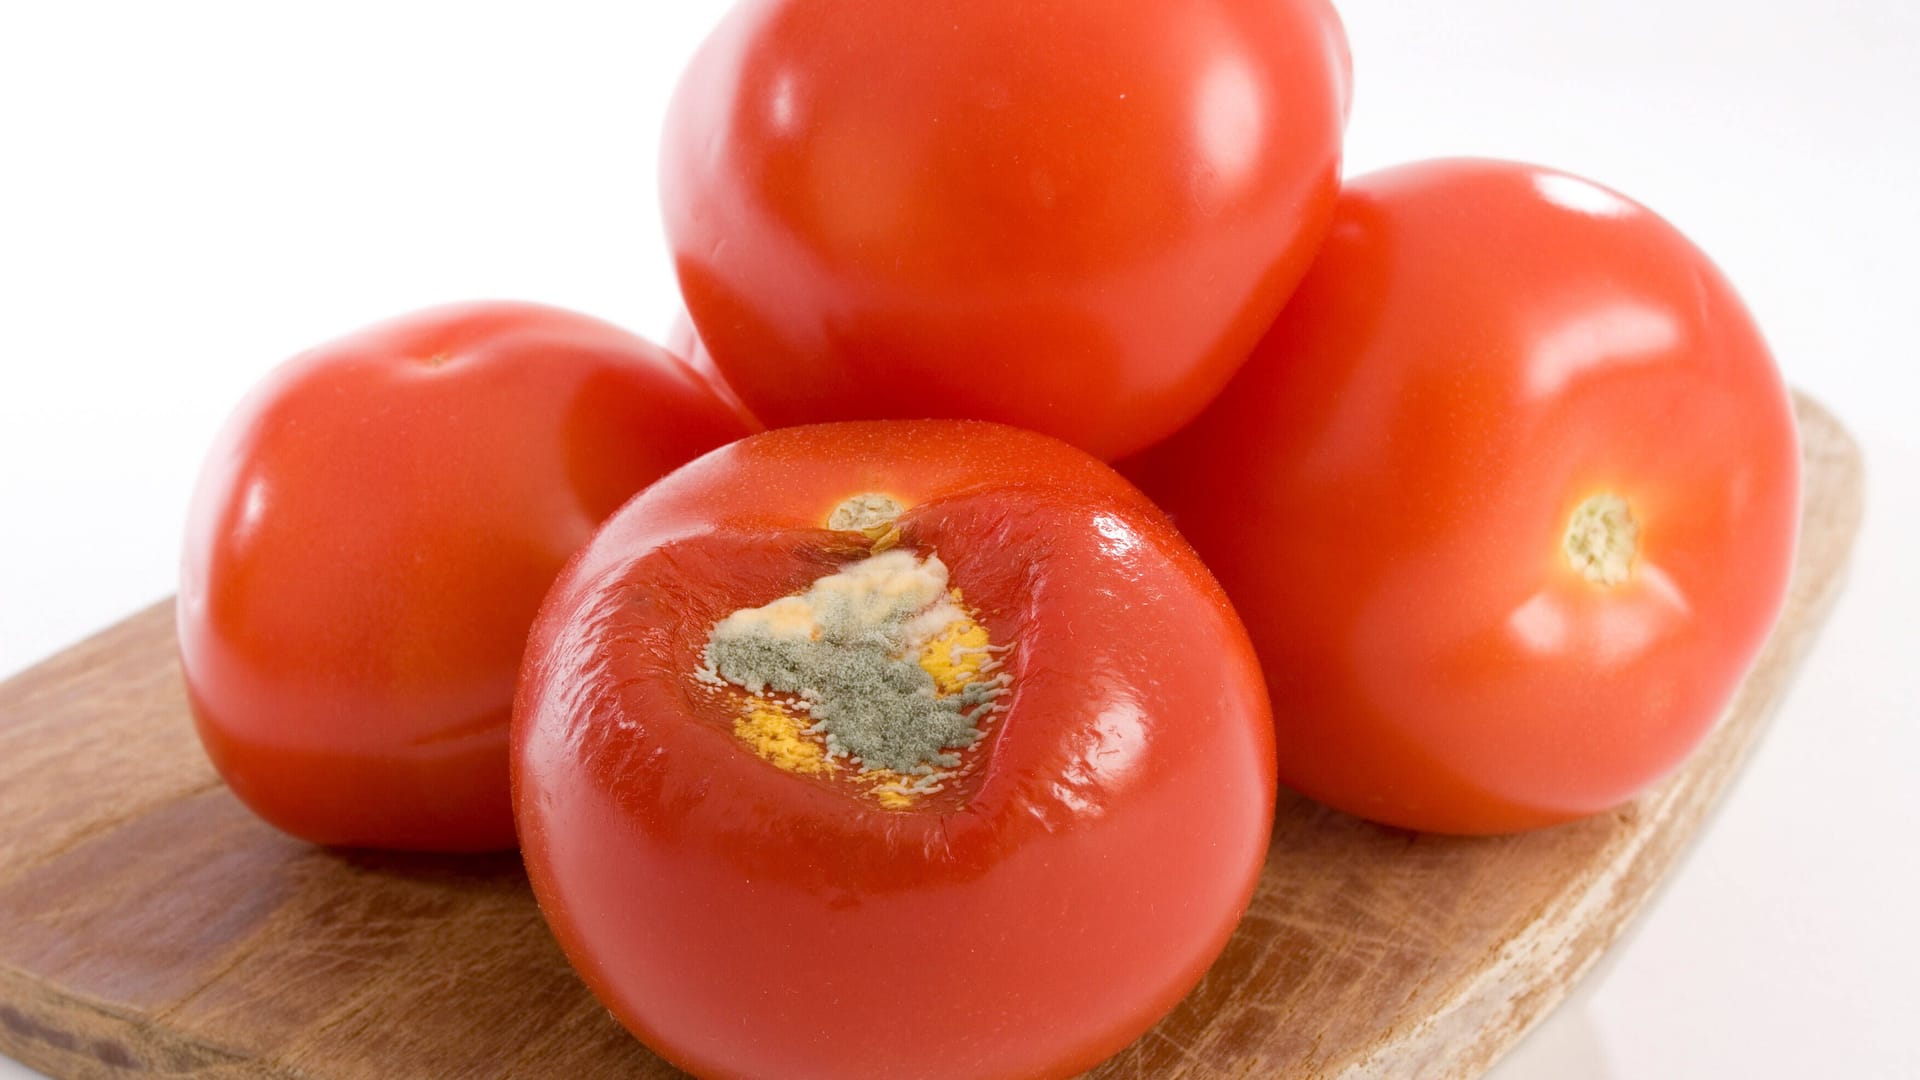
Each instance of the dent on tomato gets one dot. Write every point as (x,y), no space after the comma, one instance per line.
(888,668)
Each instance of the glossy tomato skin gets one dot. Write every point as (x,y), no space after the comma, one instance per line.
(1385,488)
(684,343)
(750,922)
(370,538)
(1070,215)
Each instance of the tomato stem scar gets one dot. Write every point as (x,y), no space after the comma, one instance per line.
(873,514)
(865,512)
(1602,539)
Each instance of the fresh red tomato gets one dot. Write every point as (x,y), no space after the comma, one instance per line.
(1072,215)
(909,749)
(684,343)
(1507,497)
(370,538)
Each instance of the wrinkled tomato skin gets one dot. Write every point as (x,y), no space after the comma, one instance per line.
(1384,490)
(370,538)
(1030,921)
(1074,216)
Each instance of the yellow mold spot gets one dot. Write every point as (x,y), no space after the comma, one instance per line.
(954,657)
(776,736)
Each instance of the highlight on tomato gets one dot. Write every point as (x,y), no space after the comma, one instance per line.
(370,538)
(1076,216)
(933,733)
(1508,497)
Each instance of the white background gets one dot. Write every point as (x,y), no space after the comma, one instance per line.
(192,191)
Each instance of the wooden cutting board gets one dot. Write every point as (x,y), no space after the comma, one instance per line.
(149,925)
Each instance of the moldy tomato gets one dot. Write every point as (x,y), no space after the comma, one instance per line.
(370,538)
(1507,497)
(915,749)
(1072,215)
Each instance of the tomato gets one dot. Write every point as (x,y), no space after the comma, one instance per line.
(1507,498)
(1050,797)
(1071,215)
(684,343)
(370,538)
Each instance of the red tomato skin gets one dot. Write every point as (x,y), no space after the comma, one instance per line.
(1384,488)
(747,922)
(684,343)
(1069,215)
(370,538)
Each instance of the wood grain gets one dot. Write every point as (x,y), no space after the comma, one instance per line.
(150,926)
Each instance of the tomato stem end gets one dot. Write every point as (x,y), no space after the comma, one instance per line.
(1602,539)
